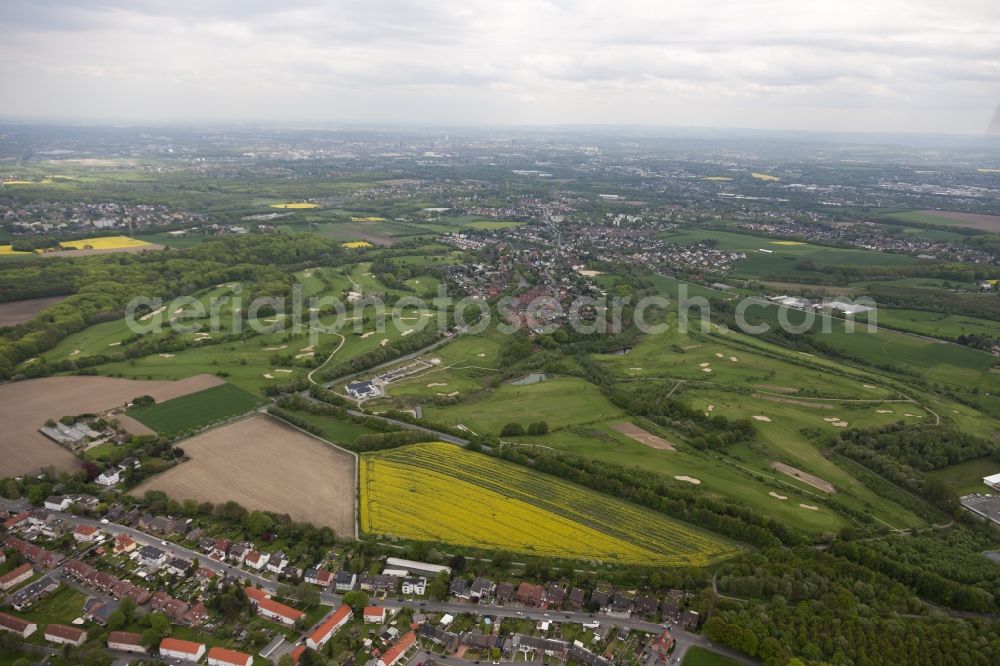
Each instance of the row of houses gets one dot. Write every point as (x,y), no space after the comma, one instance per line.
(181,650)
(271,609)
(556,595)
(60,634)
(244,554)
(32,553)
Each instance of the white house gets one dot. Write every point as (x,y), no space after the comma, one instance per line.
(109,478)
(175,648)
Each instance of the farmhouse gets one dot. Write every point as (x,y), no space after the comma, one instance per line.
(220,656)
(16,577)
(396,652)
(63,635)
(125,641)
(331,625)
(16,625)
(175,648)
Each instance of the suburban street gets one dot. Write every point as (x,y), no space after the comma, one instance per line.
(684,639)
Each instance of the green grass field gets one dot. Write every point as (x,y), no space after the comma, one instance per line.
(196,410)
(559,401)
(699,656)
(967,477)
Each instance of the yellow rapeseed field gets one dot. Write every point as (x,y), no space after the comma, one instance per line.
(295,205)
(786,243)
(356,244)
(370,218)
(6,250)
(764,176)
(440,492)
(103,243)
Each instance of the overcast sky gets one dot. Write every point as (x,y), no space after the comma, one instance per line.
(870,65)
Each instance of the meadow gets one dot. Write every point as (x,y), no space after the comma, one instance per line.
(559,401)
(195,410)
(442,493)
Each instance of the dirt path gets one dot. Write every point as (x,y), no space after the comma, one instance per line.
(805,477)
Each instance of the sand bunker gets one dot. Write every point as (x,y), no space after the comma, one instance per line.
(762,418)
(711,408)
(883,411)
(481,355)
(114,344)
(831,419)
(285,370)
(433,384)
(704,365)
(776,495)
(309,348)
(720,355)
(811,507)
(305,354)
(689,479)
(406,333)
(869,386)
(166,355)
(733,359)
(365,335)
(276,348)
(840,424)
(384,342)
(706,369)
(268,375)
(74,352)
(147,317)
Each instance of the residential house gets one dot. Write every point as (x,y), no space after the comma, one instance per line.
(318,577)
(546,646)
(124,544)
(175,648)
(197,616)
(220,548)
(645,605)
(530,595)
(58,502)
(125,641)
(690,619)
(98,610)
(152,557)
(220,656)
(63,635)
(480,641)
(330,626)
(158,524)
(459,587)
(86,533)
(277,562)
(600,598)
(442,637)
(177,566)
(16,625)
(32,592)
(377,583)
(576,598)
(414,585)
(482,588)
(16,521)
(555,594)
(175,609)
(395,653)
(506,592)
(374,614)
(255,560)
(109,477)
(661,646)
(279,612)
(14,578)
(621,602)
(345,581)
(583,656)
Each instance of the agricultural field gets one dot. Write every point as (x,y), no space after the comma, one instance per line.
(559,401)
(987,223)
(439,492)
(264,464)
(296,205)
(13,313)
(781,258)
(935,324)
(195,410)
(25,406)
(104,243)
